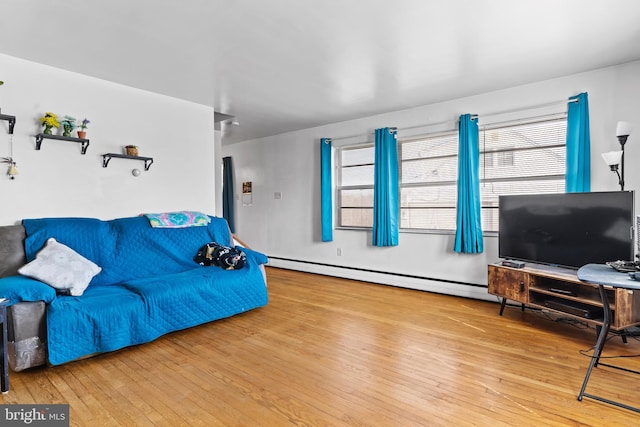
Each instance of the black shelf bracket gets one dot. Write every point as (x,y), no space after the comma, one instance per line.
(148,161)
(10,119)
(42,136)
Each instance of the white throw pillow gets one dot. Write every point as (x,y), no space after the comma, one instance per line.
(62,268)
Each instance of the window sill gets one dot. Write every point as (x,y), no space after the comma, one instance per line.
(417,231)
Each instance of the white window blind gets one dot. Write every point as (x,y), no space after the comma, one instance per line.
(428,175)
(355,186)
(521,158)
(526,157)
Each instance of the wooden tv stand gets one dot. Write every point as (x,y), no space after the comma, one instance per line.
(539,286)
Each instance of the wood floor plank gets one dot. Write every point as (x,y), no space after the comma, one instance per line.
(336,352)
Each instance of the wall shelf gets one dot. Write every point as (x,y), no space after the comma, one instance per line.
(10,119)
(41,136)
(148,161)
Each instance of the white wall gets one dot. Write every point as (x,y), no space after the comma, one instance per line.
(58,181)
(290,227)
(217,171)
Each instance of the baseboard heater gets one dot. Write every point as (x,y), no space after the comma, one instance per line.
(389,273)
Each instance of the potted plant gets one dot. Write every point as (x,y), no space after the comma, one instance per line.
(82,131)
(68,125)
(131,150)
(49,121)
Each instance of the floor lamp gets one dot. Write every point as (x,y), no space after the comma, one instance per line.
(615,159)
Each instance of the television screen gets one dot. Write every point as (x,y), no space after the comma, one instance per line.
(569,229)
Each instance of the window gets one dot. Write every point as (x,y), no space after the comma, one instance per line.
(428,176)
(523,158)
(355,186)
(526,157)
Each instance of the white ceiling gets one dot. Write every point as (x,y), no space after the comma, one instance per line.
(284,65)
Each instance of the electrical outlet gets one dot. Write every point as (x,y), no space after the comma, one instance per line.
(277,195)
(339,251)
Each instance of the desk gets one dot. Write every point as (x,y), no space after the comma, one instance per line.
(4,351)
(603,275)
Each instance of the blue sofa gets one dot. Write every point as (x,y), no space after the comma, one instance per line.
(149,284)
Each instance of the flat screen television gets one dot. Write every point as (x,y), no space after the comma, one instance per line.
(568,229)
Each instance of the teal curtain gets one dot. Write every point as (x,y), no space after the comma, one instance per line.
(386,205)
(227,193)
(578,175)
(326,190)
(468,219)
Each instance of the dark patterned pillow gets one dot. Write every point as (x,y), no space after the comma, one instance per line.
(221,256)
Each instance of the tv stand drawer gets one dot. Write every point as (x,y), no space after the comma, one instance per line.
(509,283)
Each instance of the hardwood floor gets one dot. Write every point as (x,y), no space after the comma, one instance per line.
(334,352)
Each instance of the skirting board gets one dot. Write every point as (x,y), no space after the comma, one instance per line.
(467,290)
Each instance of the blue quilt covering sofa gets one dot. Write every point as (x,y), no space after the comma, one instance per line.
(148,285)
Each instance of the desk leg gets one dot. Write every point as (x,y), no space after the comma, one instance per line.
(597,352)
(602,337)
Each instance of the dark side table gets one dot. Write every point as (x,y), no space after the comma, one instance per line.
(603,275)
(4,350)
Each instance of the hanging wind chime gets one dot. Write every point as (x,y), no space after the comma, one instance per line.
(12,171)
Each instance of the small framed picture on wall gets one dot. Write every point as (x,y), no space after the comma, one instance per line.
(247,193)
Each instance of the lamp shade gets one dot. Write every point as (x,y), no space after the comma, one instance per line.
(623,129)
(612,158)
(12,171)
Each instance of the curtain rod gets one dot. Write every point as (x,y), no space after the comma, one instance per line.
(533,107)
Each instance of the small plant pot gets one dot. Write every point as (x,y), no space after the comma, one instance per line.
(131,151)
(82,134)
